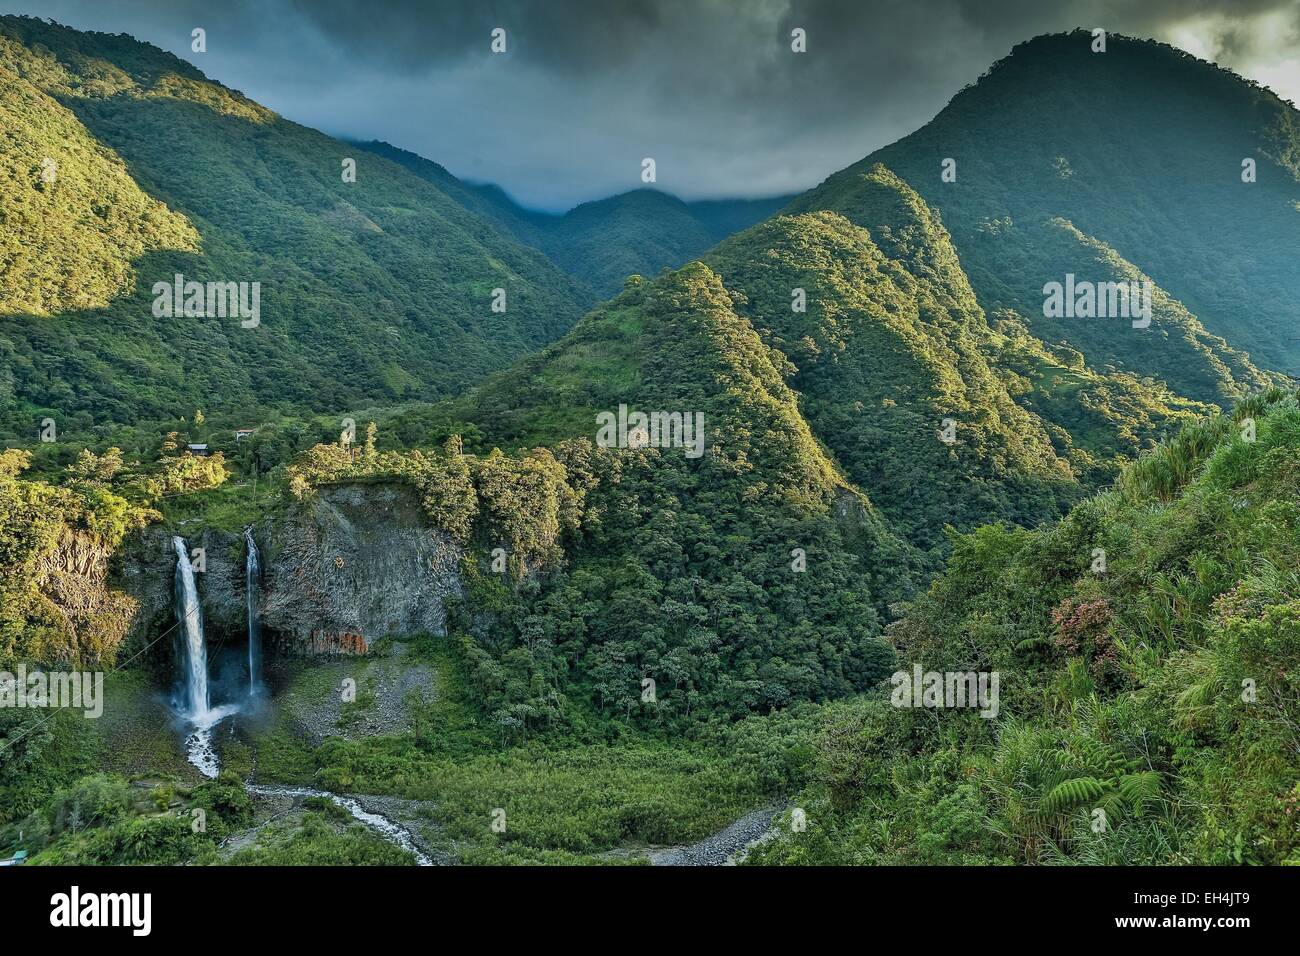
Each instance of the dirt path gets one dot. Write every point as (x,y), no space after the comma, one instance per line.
(727,847)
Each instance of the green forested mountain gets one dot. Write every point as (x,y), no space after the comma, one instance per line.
(1106,163)
(638,232)
(1148,705)
(686,566)
(605,241)
(889,345)
(904,324)
(372,291)
(894,341)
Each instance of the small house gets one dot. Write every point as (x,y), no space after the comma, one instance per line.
(198,451)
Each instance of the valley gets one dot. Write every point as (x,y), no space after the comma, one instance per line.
(463,533)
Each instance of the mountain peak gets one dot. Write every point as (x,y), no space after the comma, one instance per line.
(1005,165)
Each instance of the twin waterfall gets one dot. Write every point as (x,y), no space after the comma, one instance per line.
(194,700)
(195,703)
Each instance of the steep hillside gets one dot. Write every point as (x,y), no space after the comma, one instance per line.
(605,241)
(377,290)
(939,416)
(892,341)
(72,218)
(1127,162)
(489,201)
(1147,649)
(737,570)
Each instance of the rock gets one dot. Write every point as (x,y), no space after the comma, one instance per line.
(352,564)
(96,617)
(359,563)
(727,847)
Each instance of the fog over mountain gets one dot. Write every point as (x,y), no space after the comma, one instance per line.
(710,90)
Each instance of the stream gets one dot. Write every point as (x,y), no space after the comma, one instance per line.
(202,720)
(200,752)
(377,822)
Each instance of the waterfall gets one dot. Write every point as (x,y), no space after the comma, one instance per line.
(195,705)
(253,578)
(200,748)
(189,619)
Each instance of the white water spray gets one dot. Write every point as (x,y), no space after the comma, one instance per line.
(189,618)
(253,580)
(196,705)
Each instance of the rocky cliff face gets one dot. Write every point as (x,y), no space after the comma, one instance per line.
(74,581)
(358,563)
(351,565)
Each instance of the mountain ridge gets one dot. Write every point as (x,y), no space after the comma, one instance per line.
(603,241)
(1184,218)
(353,313)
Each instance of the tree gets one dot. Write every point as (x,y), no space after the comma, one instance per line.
(95,471)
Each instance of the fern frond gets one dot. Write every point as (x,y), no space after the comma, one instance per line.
(1072,793)
(1140,790)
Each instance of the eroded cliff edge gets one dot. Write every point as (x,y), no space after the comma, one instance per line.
(350,565)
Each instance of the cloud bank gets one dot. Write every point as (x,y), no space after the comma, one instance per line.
(587,88)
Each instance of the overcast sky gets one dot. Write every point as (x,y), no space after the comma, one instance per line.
(587,88)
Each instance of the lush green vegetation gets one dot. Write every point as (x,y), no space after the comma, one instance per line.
(890,341)
(653,642)
(890,347)
(652,564)
(1063,186)
(569,795)
(102,819)
(325,836)
(640,233)
(162,171)
(596,790)
(603,242)
(56,541)
(1155,688)
(1160,690)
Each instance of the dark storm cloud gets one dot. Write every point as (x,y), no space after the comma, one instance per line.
(576,38)
(708,88)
